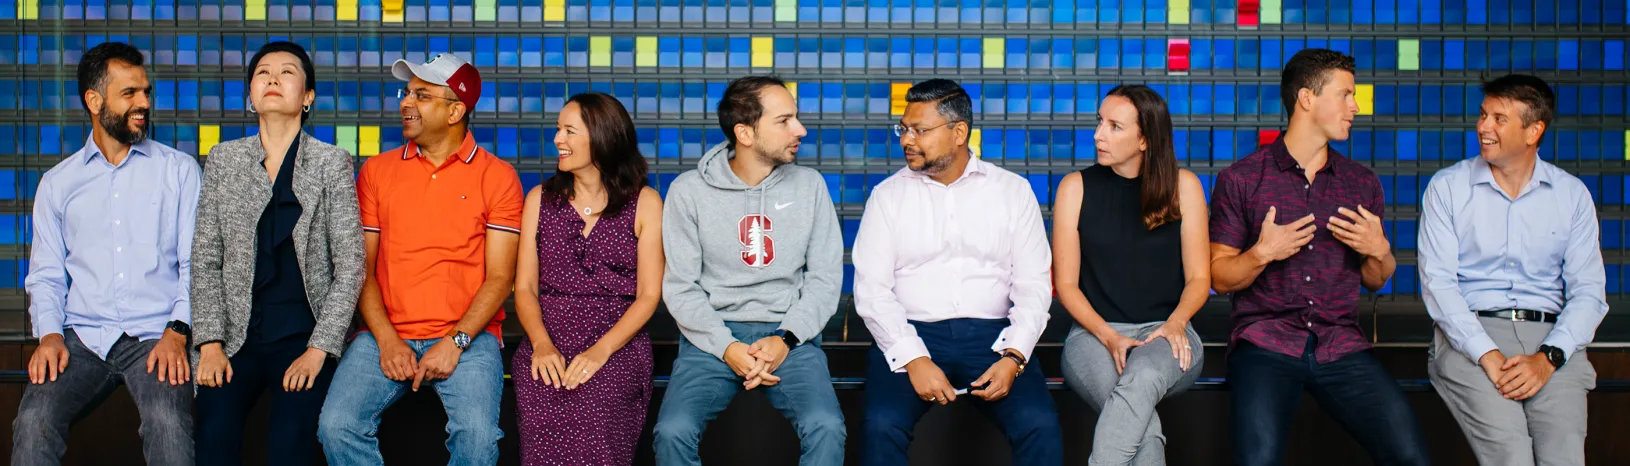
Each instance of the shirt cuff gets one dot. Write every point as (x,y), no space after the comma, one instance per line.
(46,325)
(1479,346)
(903,352)
(182,312)
(1012,338)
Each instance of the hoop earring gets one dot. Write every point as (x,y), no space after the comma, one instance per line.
(250,105)
(307,109)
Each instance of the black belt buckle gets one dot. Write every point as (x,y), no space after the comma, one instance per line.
(1516,315)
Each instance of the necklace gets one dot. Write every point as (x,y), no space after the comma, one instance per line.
(588,210)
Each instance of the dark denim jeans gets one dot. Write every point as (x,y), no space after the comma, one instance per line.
(1355,390)
(40,433)
(961,348)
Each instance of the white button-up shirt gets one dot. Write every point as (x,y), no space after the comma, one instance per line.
(929,252)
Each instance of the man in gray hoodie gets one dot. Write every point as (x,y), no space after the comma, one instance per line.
(755,265)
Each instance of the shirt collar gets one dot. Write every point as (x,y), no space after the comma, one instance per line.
(466,150)
(1483,173)
(91,151)
(1282,157)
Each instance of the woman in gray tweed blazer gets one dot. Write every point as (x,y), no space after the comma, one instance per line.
(277,266)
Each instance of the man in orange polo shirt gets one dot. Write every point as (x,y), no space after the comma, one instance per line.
(442,220)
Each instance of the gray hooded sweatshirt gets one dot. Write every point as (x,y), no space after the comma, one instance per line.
(766,253)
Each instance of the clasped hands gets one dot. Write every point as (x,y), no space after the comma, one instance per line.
(757,362)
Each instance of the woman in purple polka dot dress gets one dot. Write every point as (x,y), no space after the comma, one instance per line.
(583,375)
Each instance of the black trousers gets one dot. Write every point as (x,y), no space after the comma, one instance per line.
(291,436)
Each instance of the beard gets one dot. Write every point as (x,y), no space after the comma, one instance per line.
(118,126)
(932,167)
(778,157)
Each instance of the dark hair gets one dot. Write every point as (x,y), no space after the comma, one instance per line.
(93,65)
(292,49)
(1158,174)
(1310,69)
(954,103)
(612,148)
(1532,91)
(742,105)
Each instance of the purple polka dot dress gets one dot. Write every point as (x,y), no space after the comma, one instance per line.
(584,286)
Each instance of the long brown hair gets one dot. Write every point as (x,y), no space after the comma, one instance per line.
(1159,171)
(613,150)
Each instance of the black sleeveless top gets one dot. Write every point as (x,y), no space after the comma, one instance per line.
(1129,273)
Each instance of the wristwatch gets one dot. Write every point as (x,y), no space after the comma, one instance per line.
(787,337)
(1554,355)
(461,340)
(1014,354)
(180,327)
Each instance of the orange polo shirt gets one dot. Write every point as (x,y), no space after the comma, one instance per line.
(432,224)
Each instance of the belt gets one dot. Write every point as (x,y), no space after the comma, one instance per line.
(1515,315)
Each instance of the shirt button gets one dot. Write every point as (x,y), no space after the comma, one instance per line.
(115,195)
(1310,247)
(116,222)
(119,249)
(1310,302)
(1307,279)
(121,275)
(432,177)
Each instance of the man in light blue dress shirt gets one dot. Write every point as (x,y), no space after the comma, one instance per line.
(108,275)
(1511,271)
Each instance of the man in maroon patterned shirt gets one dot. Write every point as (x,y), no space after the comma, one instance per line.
(1295,230)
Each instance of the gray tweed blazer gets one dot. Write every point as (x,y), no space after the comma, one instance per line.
(327,241)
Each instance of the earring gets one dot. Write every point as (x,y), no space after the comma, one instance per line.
(249,105)
(307,109)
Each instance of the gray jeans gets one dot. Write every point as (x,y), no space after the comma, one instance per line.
(1547,429)
(40,432)
(1128,429)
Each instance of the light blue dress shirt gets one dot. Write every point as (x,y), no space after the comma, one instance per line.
(1480,249)
(113,245)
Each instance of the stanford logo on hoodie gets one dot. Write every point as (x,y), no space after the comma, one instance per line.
(757,248)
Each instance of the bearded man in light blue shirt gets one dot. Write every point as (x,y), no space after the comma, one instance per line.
(109,273)
(1511,271)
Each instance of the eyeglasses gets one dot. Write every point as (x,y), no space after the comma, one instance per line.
(902,131)
(420,95)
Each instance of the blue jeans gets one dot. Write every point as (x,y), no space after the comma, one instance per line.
(703,385)
(961,348)
(1355,390)
(360,392)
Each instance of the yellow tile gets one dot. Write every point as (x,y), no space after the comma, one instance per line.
(1627,145)
(345,10)
(995,52)
(208,137)
(1271,11)
(28,9)
(973,142)
(645,51)
(897,98)
(763,52)
(391,11)
(554,10)
(792,88)
(254,10)
(368,141)
(1365,96)
(600,51)
(1177,12)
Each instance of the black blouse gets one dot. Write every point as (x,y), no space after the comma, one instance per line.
(279,309)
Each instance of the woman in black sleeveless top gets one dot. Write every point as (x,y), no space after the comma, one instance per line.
(1131,264)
